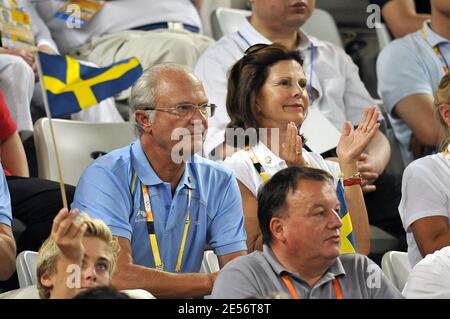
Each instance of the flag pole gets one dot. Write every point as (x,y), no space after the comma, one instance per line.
(52,132)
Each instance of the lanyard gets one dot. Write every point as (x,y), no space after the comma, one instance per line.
(290,287)
(447,153)
(257,165)
(152,234)
(438,52)
(264,176)
(13,4)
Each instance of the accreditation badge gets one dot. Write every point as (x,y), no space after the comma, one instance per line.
(78,12)
(15,27)
(10,4)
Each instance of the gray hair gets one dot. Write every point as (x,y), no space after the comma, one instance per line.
(143,92)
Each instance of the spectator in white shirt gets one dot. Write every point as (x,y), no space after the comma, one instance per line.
(430,278)
(424,208)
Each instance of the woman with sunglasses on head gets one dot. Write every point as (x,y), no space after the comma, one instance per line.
(424,208)
(267,90)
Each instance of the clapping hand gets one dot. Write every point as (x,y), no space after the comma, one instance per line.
(369,172)
(352,144)
(291,149)
(67,233)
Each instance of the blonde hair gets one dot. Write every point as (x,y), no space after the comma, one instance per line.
(443,97)
(49,251)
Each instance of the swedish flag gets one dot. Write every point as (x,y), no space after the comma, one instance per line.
(348,245)
(72,87)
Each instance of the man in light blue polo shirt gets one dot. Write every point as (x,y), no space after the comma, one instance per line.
(161,202)
(7,243)
(409,71)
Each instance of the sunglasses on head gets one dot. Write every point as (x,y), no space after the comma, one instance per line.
(255,48)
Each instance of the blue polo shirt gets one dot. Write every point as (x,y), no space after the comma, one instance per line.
(409,66)
(5,201)
(105,191)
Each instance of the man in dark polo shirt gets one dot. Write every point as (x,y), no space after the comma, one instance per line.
(298,216)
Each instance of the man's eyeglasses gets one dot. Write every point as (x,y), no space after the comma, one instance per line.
(183,110)
(255,48)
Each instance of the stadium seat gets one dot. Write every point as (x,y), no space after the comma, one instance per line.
(207,8)
(210,262)
(381,242)
(18,228)
(79,143)
(396,267)
(396,166)
(383,36)
(321,24)
(225,21)
(26,264)
(29,292)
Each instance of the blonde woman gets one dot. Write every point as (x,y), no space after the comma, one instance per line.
(425,205)
(79,254)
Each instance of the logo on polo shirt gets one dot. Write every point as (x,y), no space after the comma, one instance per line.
(141,217)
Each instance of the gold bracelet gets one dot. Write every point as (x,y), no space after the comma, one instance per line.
(356,175)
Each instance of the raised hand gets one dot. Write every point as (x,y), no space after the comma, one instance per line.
(292,147)
(352,144)
(68,232)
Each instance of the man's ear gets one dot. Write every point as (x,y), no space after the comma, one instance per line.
(276,226)
(444,110)
(47,280)
(143,120)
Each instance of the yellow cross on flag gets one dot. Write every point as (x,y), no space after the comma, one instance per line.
(71,86)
